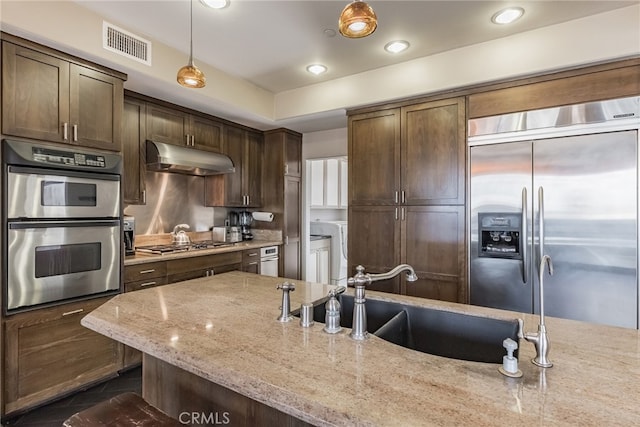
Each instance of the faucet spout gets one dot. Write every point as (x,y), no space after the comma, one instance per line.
(359,281)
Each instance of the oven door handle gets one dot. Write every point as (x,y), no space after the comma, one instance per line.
(91,174)
(24,225)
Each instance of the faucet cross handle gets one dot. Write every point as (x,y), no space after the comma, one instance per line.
(286,286)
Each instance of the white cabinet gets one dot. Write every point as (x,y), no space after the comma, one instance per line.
(329,183)
(318,267)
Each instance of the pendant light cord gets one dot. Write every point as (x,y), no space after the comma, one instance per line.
(191,32)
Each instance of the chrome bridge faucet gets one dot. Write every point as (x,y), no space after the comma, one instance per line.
(540,339)
(359,282)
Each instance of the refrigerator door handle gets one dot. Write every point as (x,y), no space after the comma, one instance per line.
(523,238)
(541,222)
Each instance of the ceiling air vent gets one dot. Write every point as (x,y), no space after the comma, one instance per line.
(126,44)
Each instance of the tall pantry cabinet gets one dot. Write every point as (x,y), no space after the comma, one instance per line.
(282,193)
(407,195)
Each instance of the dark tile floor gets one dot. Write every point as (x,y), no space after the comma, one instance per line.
(55,413)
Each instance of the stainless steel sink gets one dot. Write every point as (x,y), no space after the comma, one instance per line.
(433,331)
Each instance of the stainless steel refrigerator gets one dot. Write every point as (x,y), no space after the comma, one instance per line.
(561,182)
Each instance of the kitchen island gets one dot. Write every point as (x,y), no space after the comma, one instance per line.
(213,341)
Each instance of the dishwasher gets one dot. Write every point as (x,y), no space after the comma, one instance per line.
(269,261)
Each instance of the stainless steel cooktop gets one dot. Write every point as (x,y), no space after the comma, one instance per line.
(172,248)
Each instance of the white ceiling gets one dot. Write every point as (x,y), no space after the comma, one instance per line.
(269,43)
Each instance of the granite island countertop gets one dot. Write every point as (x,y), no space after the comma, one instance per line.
(223,328)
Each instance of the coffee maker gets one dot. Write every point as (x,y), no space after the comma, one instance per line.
(245,218)
(129,231)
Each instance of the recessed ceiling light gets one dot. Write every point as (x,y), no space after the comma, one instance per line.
(215,4)
(316,69)
(507,16)
(396,46)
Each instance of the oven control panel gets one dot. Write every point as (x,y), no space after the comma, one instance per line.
(70,158)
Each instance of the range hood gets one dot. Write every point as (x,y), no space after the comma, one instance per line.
(163,157)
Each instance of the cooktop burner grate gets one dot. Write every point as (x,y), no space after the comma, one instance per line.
(167,249)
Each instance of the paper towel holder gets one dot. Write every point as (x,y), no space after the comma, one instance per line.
(263,216)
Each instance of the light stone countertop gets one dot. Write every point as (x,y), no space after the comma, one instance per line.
(223,328)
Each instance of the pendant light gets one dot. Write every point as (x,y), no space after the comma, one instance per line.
(190,75)
(357,20)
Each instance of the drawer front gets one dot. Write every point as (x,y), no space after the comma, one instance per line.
(146,283)
(150,270)
(250,255)
(202,262)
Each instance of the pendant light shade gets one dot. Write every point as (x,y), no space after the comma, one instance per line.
(190,75)
(357,20)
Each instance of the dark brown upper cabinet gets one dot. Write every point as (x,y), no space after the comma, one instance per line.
(177,127)
(243,188)
(49,97)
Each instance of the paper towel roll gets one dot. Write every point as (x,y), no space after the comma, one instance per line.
(263,216)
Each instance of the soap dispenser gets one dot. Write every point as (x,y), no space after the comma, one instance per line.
(509,362)
(332,314)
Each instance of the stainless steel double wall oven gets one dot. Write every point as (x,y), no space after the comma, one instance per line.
(61,218)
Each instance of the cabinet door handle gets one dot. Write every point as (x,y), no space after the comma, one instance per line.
(187,143)
(403,214)
(75,133)
(396,214)
(65,131)
(193,140)
(253,263)
(252,254)
(395,198)
(147,271)
(286,240)
(403,198)
(147,284)
(144,197)
(69,313)
(286,169)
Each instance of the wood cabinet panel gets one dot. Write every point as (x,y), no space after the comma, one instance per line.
(52,98)
(146,283)
(133,151)
(207,134)
(596,85)
(292,155)
(201,263)
(252,178)
(282,194)
(48,352)
(95,108)
(374,158)
(420,164)
(145,271)
(166,125)
(244,187)
(433,244)
(35,93)
(374,242)
(433,153)
(251,261)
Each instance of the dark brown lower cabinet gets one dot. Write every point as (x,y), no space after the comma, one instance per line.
(251,261)
(433,244)
(48,353)
(374,243)
(429,238)
(190,398)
